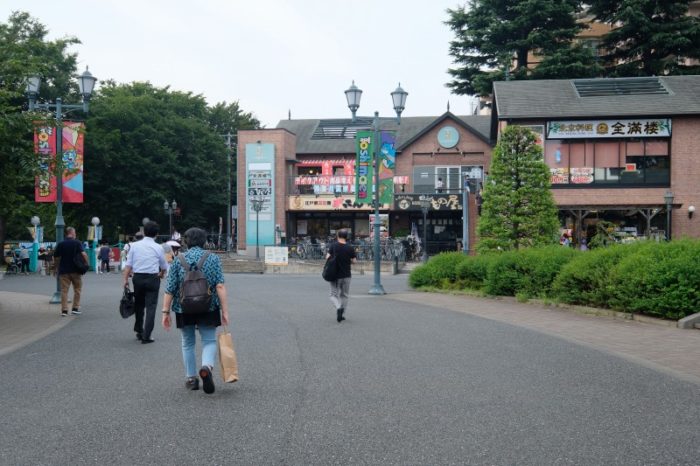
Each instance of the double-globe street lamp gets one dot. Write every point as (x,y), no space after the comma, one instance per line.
(257,203)
(95,239)
(169,209)
(86,83)
(353,95)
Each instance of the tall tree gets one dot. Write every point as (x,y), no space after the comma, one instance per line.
(492,36)
(518,209)
(651,37)
(24,50)
(147,144)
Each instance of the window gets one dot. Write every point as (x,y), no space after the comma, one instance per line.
(602,162)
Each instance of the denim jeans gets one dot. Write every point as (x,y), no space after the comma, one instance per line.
(208,336)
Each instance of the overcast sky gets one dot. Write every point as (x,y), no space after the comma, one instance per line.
(270,55)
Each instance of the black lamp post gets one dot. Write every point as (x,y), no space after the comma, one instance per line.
(353,95)
(668,197)
(257,204)
(169,209)
(86,83)
(424,207)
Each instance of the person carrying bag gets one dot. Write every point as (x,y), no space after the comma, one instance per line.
(205,320)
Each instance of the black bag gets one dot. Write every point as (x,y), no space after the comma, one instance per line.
(195,295)
(330,270)
(126,305)
(81,266)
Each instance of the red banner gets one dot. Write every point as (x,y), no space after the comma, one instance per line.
(72,148)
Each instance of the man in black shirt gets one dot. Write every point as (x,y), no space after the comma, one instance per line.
(66,250)
(344,256)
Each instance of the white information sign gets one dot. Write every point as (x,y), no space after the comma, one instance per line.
(275,255)
(637,128)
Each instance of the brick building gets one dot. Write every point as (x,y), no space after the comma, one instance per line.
(617,149)
(305,172)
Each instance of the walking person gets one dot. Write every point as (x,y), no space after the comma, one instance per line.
(24,257)
(206,321)
(147,262)
(344,256)
(105,253)
(68,274)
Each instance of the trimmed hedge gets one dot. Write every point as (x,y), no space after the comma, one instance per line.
(658,279)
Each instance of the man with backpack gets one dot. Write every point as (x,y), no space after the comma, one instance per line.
(146,259)
(70,253)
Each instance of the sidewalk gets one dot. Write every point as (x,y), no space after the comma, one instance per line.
(667,349)
(25,318)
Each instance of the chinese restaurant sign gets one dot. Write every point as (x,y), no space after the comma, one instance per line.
(72,147)
(638,128)
(323,203)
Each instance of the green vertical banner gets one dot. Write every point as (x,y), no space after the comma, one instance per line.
(387,164)
(363,167)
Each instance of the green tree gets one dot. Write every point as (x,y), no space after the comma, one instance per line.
(492,36)
(518,208)
(146,145)
(24,51)
(650,38)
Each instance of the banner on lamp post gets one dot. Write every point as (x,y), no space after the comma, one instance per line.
(73,157)
(387,163)
(364,171)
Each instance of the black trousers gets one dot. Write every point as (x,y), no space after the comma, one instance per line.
(146,287)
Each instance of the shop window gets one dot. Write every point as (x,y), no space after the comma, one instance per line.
(605,162)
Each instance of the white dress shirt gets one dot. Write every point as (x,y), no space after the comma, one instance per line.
(146,256)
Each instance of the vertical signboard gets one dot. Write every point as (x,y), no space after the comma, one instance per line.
(260,184)
(387,163)
(73,157)
(364,161)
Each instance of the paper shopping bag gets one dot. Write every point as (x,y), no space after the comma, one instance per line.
(227,356)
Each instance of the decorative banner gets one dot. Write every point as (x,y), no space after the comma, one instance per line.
(364,174)
(609,128)
(387,163)
(73,159)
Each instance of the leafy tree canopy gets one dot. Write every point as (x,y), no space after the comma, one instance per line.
(651,38)
(494,35)
(518,208)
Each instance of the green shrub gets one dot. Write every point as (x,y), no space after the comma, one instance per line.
(585,280)
(471,272)
(662,279)
(527,272)
(439,271)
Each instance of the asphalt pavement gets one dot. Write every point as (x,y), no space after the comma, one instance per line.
(407,379)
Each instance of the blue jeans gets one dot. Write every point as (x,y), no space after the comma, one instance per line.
(208,337)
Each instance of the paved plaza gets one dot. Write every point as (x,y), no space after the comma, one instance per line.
(409,378)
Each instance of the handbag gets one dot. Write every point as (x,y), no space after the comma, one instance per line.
(80,265)
(227,356)
(126,305)
(330,270)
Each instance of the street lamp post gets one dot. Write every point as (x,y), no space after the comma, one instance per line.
(169,209)
(86,83)
(228,203)
(668,197)
(424,206)
(353,96)
(257,204)
(95,223)
(35,246)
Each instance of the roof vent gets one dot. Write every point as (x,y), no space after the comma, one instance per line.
(340,128)
(619,86)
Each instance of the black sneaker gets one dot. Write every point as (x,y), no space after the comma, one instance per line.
(340,312)
(75,312)
(192,383)
(207,379)
(139,337)
(64,313)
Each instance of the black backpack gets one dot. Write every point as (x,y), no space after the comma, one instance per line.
(195,295)
(79,264)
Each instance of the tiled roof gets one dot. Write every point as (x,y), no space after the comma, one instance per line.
(559,99)
(409,128)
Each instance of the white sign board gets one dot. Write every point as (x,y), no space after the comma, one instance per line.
(275,255)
